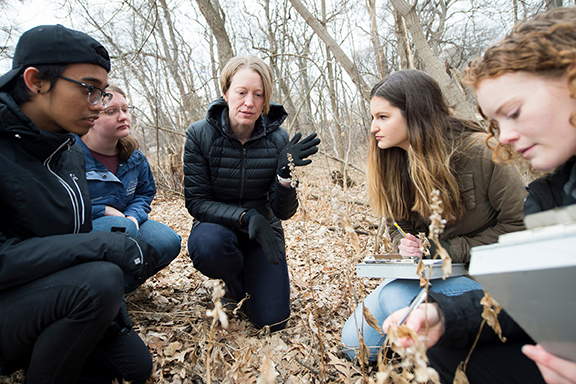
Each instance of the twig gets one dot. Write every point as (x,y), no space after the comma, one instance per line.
(342,161)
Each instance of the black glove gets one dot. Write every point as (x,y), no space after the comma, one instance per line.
(259,229)
(121,324)
(299,150)
(137,259)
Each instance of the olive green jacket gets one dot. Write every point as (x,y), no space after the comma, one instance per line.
(493,196)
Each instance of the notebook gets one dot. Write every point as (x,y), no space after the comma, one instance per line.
(532,274)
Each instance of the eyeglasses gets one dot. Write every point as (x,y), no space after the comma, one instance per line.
(126,109)
(95,95)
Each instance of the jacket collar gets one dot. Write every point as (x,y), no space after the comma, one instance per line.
(16,125)
(217,116)
(91,164)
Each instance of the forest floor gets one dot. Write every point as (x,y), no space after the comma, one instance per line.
(332,231)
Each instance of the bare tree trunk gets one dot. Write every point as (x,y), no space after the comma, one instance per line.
(554,4)
(381,63)
(216,19)
(337,119)
(432,64)
(333,46)
(404,48)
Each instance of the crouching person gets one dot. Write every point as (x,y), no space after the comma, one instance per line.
(62,316)
(121,183)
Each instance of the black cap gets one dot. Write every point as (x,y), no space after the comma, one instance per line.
(55,44)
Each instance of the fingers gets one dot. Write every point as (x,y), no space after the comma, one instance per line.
(554,369)
(295,138)
(307,152)
(410,246)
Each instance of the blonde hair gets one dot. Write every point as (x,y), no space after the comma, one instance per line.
(544,46)
(257,65)
(400,182)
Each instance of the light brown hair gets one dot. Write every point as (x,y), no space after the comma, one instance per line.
(544,45)
(257,65)
(400,182)
(128,144)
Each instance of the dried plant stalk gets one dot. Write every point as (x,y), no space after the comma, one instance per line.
(490,312)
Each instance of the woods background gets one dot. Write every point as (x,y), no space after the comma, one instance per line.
(325,56)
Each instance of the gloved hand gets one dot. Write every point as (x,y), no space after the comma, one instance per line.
(259,229)
(299,150)
(136,258)
(122,324)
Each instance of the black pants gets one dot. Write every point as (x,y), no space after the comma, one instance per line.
(58,328)
(499,363)
(222,253)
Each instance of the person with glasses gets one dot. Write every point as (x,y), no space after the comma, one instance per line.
(120,181)
(62,314)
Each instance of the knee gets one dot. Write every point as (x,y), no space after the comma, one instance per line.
(168,248)
(395,296)
(109,223)
(210,243)
(104,284)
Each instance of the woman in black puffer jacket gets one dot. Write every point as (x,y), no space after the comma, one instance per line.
(238,187)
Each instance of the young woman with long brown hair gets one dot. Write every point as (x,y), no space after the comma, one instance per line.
(526,89)
(418,146)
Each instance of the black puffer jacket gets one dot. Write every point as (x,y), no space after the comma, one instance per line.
(222,177)
(45,207)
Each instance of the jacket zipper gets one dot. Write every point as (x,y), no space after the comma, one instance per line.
(243,174)
(74,178)
(67,187)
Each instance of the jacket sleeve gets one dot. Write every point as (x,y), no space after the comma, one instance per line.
(505,194)
(139,207)
(463,316)
(283,200)
(22,261)
(198,190)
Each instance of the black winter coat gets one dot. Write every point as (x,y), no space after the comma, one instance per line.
(45,207)
(223,178)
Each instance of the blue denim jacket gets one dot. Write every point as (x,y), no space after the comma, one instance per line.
(130,191)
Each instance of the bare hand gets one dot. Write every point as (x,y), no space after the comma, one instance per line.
(426,319)
(410,246)
(111,211)
(133,219)
(554,369)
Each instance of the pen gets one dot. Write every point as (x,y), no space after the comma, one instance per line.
(400,229)
(419,299)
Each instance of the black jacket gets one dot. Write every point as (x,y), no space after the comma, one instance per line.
(45,208)
(463,313)
(557,189)
(222,177)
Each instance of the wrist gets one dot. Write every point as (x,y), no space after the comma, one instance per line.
(284,172)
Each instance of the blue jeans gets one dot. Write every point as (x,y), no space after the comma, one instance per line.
(387,298)
(223,253)
(165,241)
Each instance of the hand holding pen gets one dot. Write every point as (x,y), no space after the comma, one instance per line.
(424,318)
(410,245)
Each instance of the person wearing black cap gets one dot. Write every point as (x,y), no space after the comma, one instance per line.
(62,316)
